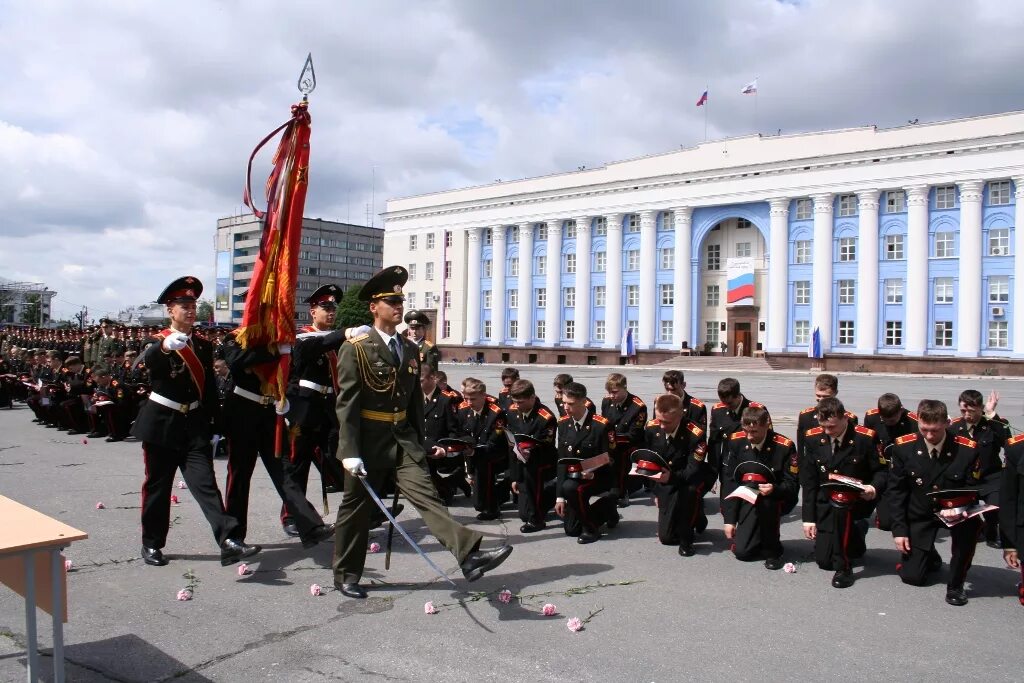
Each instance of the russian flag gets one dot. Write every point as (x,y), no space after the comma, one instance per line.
(740,287)
(703,99)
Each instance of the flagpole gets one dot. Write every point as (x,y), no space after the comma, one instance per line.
(706,115)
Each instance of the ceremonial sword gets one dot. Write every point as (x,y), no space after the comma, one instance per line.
(406,536)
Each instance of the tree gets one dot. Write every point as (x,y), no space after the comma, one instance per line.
(204,311)
(352,312)
(32,314)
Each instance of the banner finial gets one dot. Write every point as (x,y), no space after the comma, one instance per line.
(307,79)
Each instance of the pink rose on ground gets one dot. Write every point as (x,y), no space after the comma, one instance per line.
(428,608)
(789,568)
(574,624)
(315,589)
(549,610)
(375,547)
(243,570)
(101,506)
(181,484)
(174,500)
(505,597)
(184,594)
(67,565)
(85,440)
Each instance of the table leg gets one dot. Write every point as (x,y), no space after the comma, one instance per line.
(30,616)
(57,569)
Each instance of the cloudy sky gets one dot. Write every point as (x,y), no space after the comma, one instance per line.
(125,126)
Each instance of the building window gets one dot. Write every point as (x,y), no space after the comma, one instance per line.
(944,333)
(633,223)
(845,332)
(410,300)
(412,242)
(742,249)
(945,197)
(847,205)
(894,333)
(430,240)
(801,331)
(802,249)
(894,291)
(569,297)
(666,331)
(943,290)
(632,295)
(668,296)
(541,297)
(599,295)
(668,220)
(712,296)
(804,209)
(488,268)
(998,334)
(570,230)
(846,292)
(999,242)
(999,289)
(487,329)
(430,270)
(447,329)
(447,270)
(427,298)
(632,259)
(601,226)
(999,194)
(412,272)
(513,329)
(895,201)
(541,266)
(894,247)
(847,248)
(570,263)
(711,333)
(513,235)
(714,257)
(541,328)
(487,298)
(542,233)
(513,267)
(447,239)
(743,223)
(512,295)
(599,330)
(944,245)
(600,262)
(447,300)
(569,329)
(488,236)
(802,292)
(668,256)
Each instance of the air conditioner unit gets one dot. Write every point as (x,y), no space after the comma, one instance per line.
(998,311)
(1000,251)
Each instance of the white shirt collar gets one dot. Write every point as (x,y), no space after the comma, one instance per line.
(388,337)
(937,447)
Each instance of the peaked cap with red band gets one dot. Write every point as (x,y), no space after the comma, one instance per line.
(325,295)
(183,290)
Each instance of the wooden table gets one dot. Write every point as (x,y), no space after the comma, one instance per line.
(30,545)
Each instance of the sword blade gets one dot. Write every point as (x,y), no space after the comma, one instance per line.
(406,536)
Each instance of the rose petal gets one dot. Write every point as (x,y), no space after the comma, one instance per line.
(181,484)
(85,440)
(101,506)
(428,608)
(243,570)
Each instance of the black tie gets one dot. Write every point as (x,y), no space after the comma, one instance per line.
(835,446)
(393,345)
(576,425)
(935,454)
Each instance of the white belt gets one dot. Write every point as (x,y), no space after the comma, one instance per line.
(173,405)
(316,387)
(254,397)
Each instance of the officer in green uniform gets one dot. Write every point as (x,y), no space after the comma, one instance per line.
(380,414)
(418,323)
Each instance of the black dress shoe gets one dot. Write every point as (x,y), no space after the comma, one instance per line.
(95,435)
(588,537)
(74,432)
(112,439)
(488,516)
(773,563)
(352,590)
(531,527)
(702,523)
(290,529)
(956,596)
(622,503)
(232,551)
(153,556)
(842,579)
(318,535)
(686,551)
(467,491)
(994,544)
(479,562)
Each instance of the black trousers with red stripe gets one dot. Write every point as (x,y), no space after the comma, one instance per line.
(309,447)
(536,491)
(963,539)
(195,460)
(488,494)
(840,538)
(757,530)
(679,504)
(582,511)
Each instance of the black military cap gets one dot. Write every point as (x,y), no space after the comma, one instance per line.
(183,290)
(526,441)
(417,319)
(326,296)
(573,467)
(387,284)
(841,494)
(952,499)
(452,445)
(751,473)
(647,463)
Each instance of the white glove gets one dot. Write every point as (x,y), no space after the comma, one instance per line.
(282,407)
(175,341)
(354,466)
(353,332)
(284,349)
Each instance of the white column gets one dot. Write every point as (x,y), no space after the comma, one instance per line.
(778,274)
(473,288)
(553,312)
(613,283)
(583,248)
(525,313)
(969,295)
(821,271)
(1017,302)
(915,289)
(867,272)
(649,299)
(683,218)
(498,303)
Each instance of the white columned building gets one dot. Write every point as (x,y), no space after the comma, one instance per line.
(582,281)
(473,293)
(867,272)
(916,254)
(682,219)
(821,278)
(649,299)
(778,269)
(969,299)
(498,258)
(613,278)
(1018,269)
(525,311)
(553,309)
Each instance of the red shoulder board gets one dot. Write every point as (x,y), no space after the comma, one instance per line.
(814,431)
(808,410)
(866,431)
(695,430)
(738,435)
(782,441)
(637,401)
(450,394)
(912,415)
(1012,441)
(954,420)
(696,401)
(513,406)
(494,407)
(491,399)
(719,405)
(850,415)
(464,404)
(755,404)
(653,423)
(600,418)
(964,441)
(906,438)
(564,418)
(873,411)
(114,383)
(545,414)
